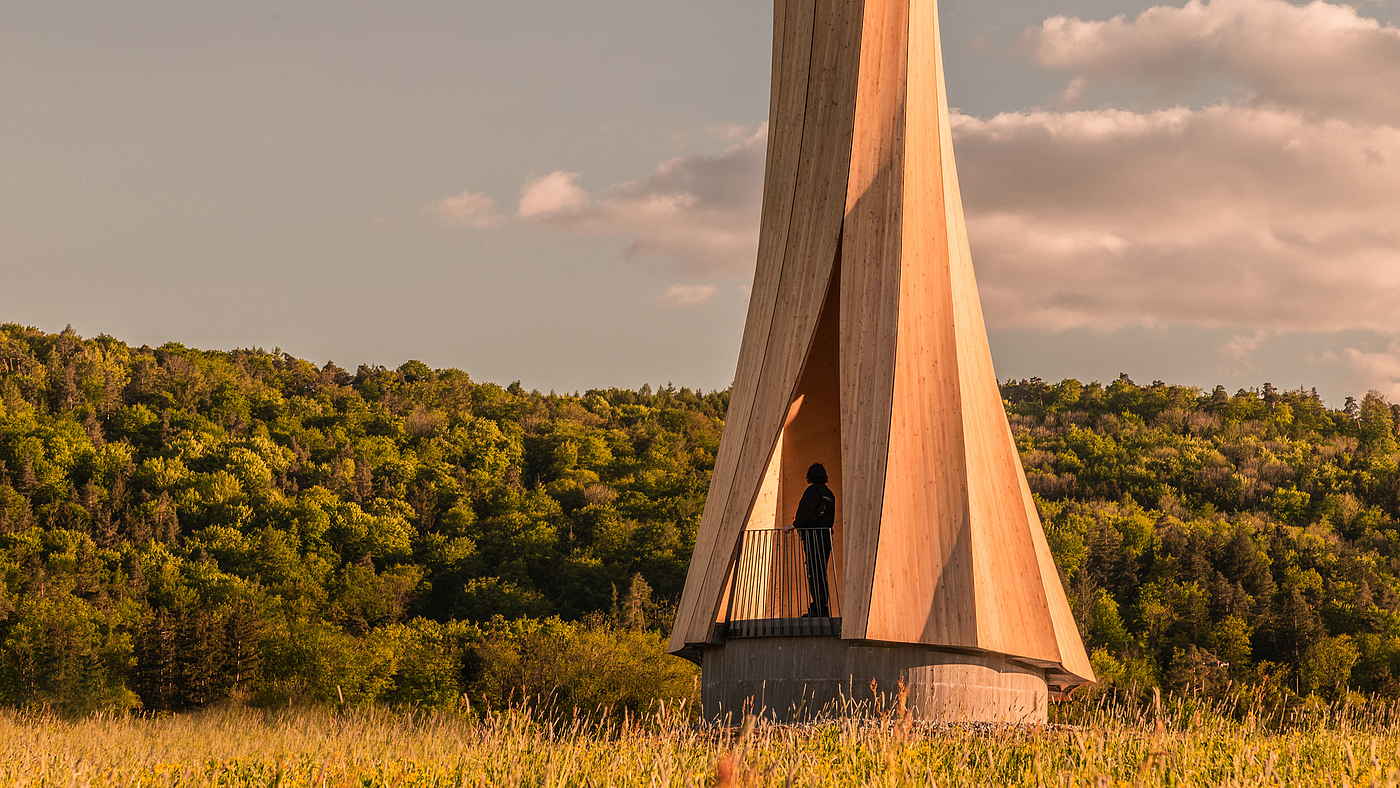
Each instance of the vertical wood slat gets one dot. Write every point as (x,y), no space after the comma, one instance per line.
(941,543)
(870,280)
(925,549)
(795,268)
(792,30)
(1013,612)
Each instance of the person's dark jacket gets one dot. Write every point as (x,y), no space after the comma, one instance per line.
(817,509)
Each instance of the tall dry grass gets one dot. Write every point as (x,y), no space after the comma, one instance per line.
(373,747)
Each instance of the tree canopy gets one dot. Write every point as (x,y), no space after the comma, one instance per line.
(180,526)
(177,525)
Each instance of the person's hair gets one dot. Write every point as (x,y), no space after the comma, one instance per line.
(816,474)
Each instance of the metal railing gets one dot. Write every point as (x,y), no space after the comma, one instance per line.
(784,584)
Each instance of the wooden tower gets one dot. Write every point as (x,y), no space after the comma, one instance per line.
(865,349)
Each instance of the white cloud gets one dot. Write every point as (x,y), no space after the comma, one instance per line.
(699,210)
(468,209)
(1321,57)
(681,295)
(1226,216)
(1276,211)
(1372,370)
(555,194)
(729,132)
(1238,352)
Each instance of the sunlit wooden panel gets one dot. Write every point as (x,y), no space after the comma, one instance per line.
(866,350)
(800,230)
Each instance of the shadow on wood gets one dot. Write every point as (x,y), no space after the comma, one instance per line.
(865,349)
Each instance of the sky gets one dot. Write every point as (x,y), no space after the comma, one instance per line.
(567,193)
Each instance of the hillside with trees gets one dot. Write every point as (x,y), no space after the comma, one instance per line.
(1210,538)
(182,527)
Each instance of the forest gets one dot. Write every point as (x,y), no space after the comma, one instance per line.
(181,528)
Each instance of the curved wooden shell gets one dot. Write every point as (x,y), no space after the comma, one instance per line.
(865,349)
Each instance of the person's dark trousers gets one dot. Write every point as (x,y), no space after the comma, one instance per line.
(816,544)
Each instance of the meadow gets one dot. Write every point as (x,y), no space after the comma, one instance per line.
(243,569)
(1110,746)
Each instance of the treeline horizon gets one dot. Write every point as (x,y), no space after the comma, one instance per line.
(181,527)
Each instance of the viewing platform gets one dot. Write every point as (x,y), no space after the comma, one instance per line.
(772,595)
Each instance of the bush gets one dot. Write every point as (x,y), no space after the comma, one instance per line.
(587,666)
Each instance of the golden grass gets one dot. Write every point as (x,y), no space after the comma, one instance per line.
(243,747)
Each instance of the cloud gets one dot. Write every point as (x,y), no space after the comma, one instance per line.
(1225,216)
(681,295)
(1239,350)
(556,194)
(729,132)
(701,211)
(1277,210)
(1322,58)
(468,209)
(1372,370)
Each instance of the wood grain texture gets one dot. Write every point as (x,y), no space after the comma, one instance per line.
(1012,612)
(923,585)
(957,562)
(870,279)
(813,429)
(804,204)
(792,31)
(866,350)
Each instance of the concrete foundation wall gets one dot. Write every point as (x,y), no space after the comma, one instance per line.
(799,678)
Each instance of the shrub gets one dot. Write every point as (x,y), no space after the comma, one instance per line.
(587,666)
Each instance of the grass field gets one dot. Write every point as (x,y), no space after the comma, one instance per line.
(241,747)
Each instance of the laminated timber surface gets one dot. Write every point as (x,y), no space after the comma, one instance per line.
(809,139)
(870,287)
(941,544)
(812,431)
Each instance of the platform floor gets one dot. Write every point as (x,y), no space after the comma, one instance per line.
(783,627)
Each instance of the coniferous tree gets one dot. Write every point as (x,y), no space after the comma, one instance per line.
(156,677)
(195,524)
(204,673)
(243,632)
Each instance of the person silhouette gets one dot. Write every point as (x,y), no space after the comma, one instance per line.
(816,515)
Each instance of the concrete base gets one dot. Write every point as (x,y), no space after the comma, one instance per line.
(798,678)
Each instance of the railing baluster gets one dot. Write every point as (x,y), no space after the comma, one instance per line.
(775,614)
(749,598)
(767,613)
(794,592)
(793,601)
(774,588)
(805,585)
(746,609)
(785,609)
